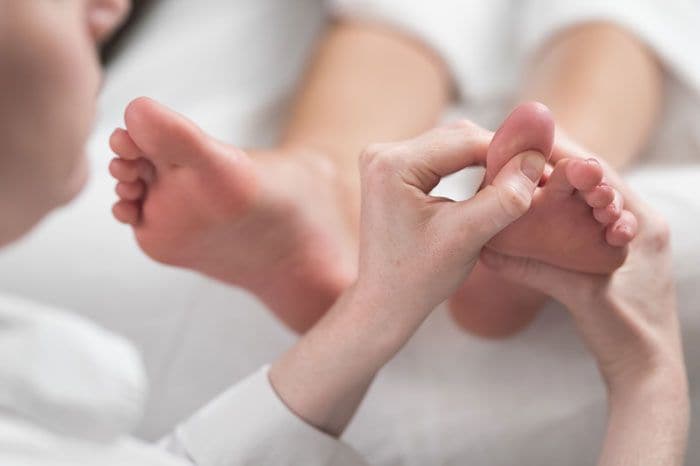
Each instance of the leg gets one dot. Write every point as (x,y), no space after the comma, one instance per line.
(603,86)
(367,84)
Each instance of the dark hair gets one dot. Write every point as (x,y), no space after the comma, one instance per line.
(114,45)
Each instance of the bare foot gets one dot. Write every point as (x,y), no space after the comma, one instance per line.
(576,221)
(267,223)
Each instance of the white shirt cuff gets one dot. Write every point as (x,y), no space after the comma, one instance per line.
(249,424)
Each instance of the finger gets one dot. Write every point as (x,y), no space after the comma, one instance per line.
(424,160)
(529,127)
(444,151)
(502,202)
(553,281)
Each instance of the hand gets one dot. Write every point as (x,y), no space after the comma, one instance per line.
(415,250)
(628,319)
(629,322)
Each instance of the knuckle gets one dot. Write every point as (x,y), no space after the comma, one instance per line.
(369,153)
(381,160)
(514,201)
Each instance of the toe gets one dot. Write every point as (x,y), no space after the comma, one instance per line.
(585,175)
(599,197)
(130,171)
(610,213)
(124,170)
(168,137)
(122,144)
(623,231)
(558,183)
(131,191)
(127,212)
(529,127)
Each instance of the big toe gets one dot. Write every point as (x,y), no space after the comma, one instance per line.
(166,136)
(530,126)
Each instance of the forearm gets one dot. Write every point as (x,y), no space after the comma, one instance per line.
(324,377)
(603,86)
(648,424)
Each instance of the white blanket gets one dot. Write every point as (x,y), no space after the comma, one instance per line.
(447,398)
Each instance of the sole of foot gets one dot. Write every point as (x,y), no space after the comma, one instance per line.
(271,223)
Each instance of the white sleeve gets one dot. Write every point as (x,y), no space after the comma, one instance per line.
(250,425)
(670,28)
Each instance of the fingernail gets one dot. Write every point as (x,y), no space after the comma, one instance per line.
(533,166)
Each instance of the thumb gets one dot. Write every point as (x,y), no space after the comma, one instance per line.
(553,281)
(504,201)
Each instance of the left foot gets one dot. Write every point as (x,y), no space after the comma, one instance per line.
(274,225)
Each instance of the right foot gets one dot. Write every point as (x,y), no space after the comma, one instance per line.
(271,224)
(575,221)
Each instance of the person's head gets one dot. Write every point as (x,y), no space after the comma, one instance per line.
(49,79)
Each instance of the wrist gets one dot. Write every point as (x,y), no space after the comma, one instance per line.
(662,382)
(648,419)
(323,377)
(384,316)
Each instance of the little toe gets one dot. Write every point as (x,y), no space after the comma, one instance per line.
(610,213)
(131,191)
(127,212)
(585,175)
(599,197)
(122,144)
(529,127)
(623,231)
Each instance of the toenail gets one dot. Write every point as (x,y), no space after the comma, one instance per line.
(593,160)
(532,166)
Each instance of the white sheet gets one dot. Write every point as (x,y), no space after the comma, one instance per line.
(446,399)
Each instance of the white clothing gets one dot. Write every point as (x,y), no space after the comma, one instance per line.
(66,374)
(447,398)
(70,393)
